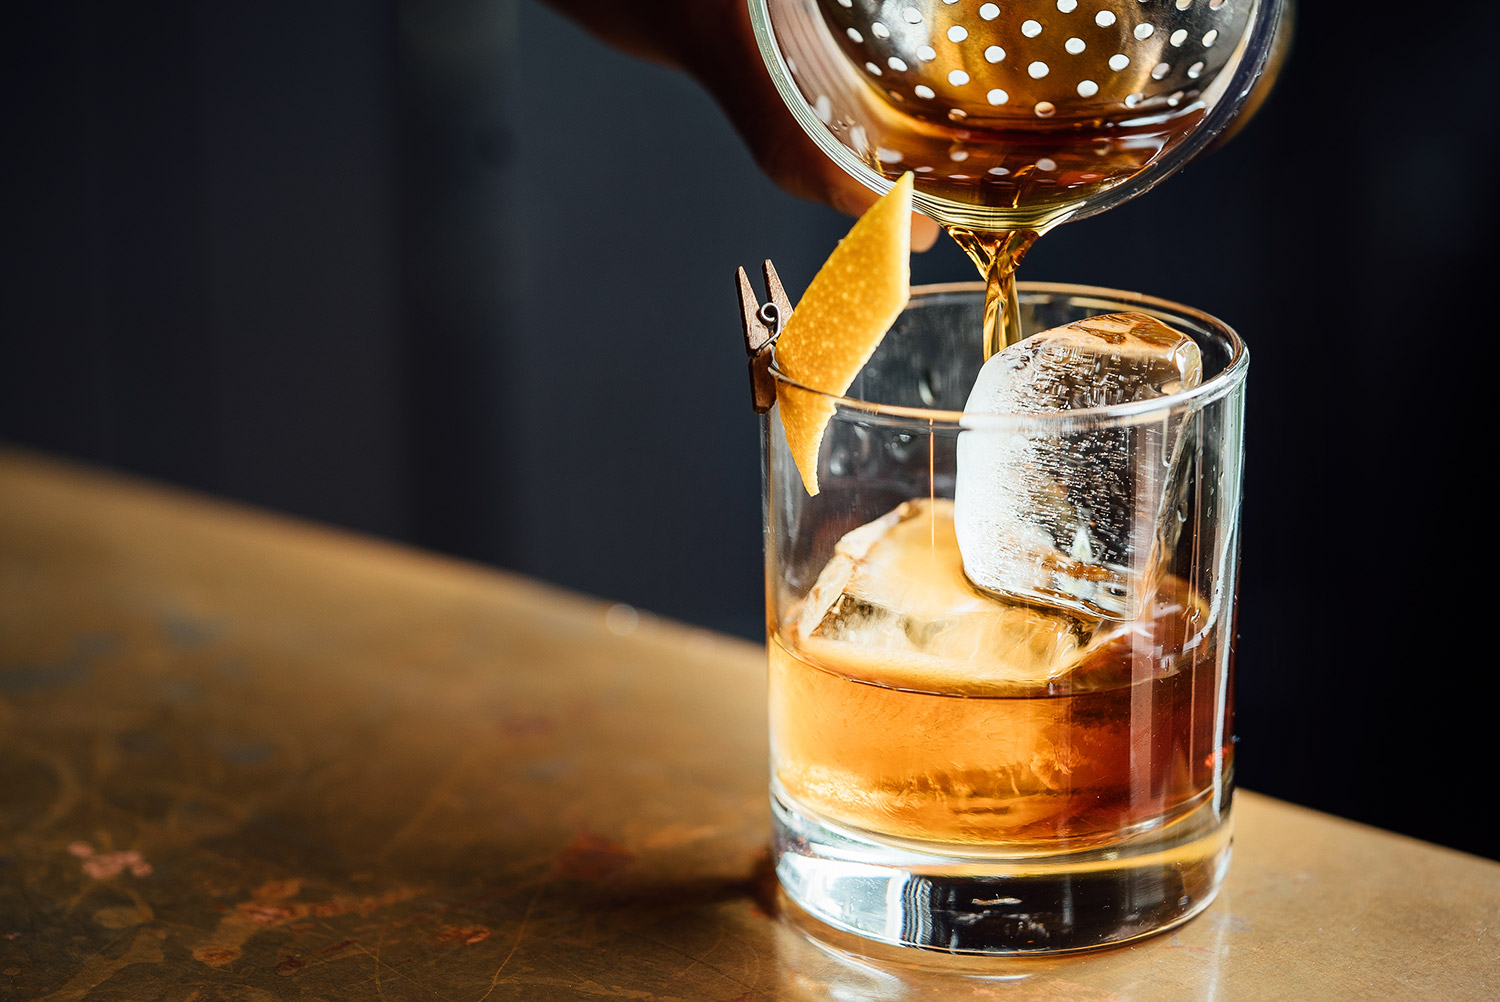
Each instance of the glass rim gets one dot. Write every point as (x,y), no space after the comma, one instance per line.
(1134,412)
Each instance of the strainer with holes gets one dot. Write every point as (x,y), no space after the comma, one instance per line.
(1015,115)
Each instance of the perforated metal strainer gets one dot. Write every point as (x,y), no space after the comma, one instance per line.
(1018,114)
(995,63)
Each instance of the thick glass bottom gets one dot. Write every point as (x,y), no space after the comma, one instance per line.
(995,905)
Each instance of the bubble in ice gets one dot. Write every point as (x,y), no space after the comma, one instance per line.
(1067,512)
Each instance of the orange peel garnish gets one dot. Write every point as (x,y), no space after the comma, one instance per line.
(839,322)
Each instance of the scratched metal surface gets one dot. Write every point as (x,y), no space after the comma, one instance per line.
(247,759)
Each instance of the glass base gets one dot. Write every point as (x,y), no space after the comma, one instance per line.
(1001,905)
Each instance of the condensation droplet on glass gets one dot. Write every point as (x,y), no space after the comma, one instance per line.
(925,388)
(900,445)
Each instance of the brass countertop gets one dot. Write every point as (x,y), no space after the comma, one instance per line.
(242,757)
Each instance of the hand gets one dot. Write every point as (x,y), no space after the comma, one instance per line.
(713,42)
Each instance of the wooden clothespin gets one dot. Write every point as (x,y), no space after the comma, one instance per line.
(762,323)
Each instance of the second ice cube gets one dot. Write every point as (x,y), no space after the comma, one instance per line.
(1074,514)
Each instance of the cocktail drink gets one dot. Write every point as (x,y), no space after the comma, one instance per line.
(1001,655)
(990,724)
(1001,550)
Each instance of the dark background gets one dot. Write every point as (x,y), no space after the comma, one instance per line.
(456,274)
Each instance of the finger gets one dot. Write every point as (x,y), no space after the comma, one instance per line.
(852,198)
(924,232)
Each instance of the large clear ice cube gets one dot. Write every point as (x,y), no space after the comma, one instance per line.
(892,605)
(1072,514)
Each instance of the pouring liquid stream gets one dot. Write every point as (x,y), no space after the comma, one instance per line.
(997,256)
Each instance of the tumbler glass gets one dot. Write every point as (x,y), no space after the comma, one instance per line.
(966,771)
